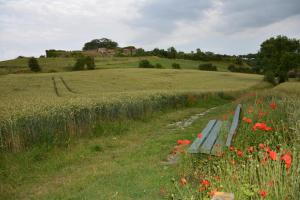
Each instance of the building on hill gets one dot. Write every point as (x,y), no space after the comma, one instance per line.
(129,51)
(105,52)
(126,51)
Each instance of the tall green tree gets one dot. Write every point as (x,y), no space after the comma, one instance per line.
(34,65)
(172,53)
(100,43)
(279,55)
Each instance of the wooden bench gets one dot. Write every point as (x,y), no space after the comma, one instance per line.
(215,135)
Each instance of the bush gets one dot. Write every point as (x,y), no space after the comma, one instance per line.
(145,64)
(270,77)
(90,62)
(158,66)
(231,68)
(238,61)
(234,68)
(82,61)
(176,66)
(79,64)
(34,65)
(207,67)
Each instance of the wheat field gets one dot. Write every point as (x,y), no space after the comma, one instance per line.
(51,107)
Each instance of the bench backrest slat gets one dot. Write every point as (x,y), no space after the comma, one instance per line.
(195,147)
(221,140)
(207,146)
(234,125)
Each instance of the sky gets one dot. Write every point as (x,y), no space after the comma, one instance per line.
(29,27)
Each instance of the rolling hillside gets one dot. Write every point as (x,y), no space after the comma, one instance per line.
(19,65)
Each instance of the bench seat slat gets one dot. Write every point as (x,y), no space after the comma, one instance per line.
(195,147)
(207,146)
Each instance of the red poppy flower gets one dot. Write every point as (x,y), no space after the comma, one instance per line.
(287,158)
(263,193)
(179,142)
(273,155)
(268,129)
(261,146)
(205,183)
(231,148)
(186,142)
(247,120)
(261,126)
(183,142)
(183,181)
(250,149)
(273,105)
(239,153)
(200,135)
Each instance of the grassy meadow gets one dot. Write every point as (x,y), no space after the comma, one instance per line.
(20,65)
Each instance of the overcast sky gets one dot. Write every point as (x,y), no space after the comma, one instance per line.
(28,27)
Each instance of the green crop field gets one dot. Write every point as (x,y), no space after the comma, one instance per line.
(51,101)
(20,65)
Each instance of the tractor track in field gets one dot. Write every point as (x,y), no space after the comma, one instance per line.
(55,81)
(66,85)
(55,87)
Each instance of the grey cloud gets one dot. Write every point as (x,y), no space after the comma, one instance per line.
(163,15)
(238,15)
(235,15)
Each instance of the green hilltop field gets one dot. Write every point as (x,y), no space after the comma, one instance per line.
(20,65)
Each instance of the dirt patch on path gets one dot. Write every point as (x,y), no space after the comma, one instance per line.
(188,121)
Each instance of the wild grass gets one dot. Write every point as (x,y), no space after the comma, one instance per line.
(255,166)
(33,113)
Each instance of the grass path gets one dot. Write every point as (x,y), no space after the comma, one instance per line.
(123,165)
